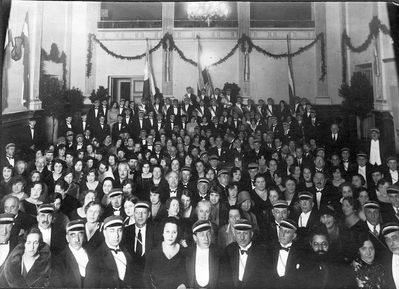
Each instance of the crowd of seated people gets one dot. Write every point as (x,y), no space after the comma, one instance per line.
(209,192)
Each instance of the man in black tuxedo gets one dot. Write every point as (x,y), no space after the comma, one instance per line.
(362,167)
(219,150)
(30,137)
(286,256)
(138,239)
(69,268)
(308,218)
(313,126)
(9,157)
(334,141)
(22,220)
(111,265)
(270,107)
(202,259)
(115,206)
(346,163)
(172,190)
(390,211)
(392,174)
(101,130)
(322,194)
(246,264)
(118,128)
(65,125)
(53,236)
(187,107)
(94,113)
(81,125)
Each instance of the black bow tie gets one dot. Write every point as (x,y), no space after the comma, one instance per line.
(243,252)
(345,162)
(116,250)
(173,191)
(319,190)
(10,158)
(285,248)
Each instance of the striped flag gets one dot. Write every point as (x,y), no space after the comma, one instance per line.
(291,83)
(149,85)
(204,78)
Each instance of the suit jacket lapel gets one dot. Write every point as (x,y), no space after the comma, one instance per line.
(75,267)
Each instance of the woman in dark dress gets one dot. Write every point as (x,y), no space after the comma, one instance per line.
(165,264)
(94,236)
(262,205)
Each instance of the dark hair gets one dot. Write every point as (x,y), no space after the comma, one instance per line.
(172,220)
(34,230)
(353,202)
(320,230)
(82,196)
(169,201)
(361,178)
(187,193)
(33,184)
(363,237)
(63,184)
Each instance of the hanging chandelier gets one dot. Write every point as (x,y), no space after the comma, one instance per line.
(207,11)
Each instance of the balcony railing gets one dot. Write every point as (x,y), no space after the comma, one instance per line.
(282,23)
(126,24)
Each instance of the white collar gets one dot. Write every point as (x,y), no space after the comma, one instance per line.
(247,247)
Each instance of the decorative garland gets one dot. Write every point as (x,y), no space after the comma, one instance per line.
(56,57)
(375,26)
(244,42)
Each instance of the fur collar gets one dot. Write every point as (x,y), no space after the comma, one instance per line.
(38,274)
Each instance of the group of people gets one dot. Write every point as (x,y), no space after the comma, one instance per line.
(209,192)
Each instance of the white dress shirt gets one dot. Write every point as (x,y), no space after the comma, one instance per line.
(371,227)
(303,219)
(4,250)
(362,171)
(395,269)
(142,231)
(243,261)
(375,156)
(81,258)
(394,176)
(11,160)
(121,263)
(282,260)
(202,266)
(318,197)
(46,235)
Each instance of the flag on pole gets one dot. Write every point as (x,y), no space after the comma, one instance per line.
(26,60)
(291,83)
(149,85)
(376,55)
(204,78)
(9,44)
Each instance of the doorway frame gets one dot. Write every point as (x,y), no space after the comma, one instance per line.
(134,79)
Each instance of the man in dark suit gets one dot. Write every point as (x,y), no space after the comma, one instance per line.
(53,236)
(390,211)
(270,107)
(313,126)
(202,259)
(118,128)
(280,212)
(334,141)
(115,207)
(187,108)
(172,189)
(246,264)
(308,218)
(362,167)
(9,157)
(22,221)
(318,269)
(111,265)
(391,173)
(101,130)
(65,125)
(219,150)
(322,194)
(138,239)
(94,113)
(286,256)
(81,125)
(69,268)
(390,231)
(31,138)
(8,241)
